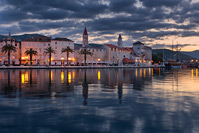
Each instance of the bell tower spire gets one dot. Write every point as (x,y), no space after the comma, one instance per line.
(9,36)
(120,42)
(85,38)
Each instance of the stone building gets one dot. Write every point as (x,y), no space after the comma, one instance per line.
(109,54)
(60,58)
(14,56)
(39,44)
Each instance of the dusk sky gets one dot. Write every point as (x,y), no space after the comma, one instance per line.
(154,22)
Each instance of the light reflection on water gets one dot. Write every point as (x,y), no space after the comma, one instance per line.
(99,100)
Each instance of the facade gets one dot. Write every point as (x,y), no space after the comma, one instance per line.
(107,54)
(39,44)
(144,52)
(117,54)
(98,57)
(60,58)
(14,56)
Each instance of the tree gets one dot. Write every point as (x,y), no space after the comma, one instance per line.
(30,52)
(158,57)
(67,50)
(49,51)
(8,48)
(85,52)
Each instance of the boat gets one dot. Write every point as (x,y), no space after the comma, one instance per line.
(173,64)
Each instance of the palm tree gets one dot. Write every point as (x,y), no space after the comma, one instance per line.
(85,52)
(31,52)
(8,48)
(67,50)
(49,51)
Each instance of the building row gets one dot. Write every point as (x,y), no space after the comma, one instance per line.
(106,54)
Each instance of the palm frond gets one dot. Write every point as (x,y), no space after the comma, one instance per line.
(8,48)
(67,49)
(49,50)
(31,52)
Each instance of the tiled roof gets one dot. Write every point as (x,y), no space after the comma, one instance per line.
(111,45)
(119,48)
(38,39)
(62,39)
(127,60)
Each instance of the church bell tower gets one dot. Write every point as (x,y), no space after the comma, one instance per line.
(120,42)
(85,38)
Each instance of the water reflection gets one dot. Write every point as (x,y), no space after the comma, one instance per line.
(85,88)
(99,100)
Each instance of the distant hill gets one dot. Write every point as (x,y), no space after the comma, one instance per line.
(21,37)
(169,54)
(194,54)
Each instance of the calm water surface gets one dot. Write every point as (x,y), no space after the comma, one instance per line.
(99,100)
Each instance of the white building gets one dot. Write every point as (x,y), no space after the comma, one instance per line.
(39,44)
(60,58)
(14,56)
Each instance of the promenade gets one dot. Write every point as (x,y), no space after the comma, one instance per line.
(77,67)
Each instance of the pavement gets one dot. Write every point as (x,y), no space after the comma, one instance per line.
(77,67)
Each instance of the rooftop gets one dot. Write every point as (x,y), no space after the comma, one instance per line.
(62,39)
(38,39)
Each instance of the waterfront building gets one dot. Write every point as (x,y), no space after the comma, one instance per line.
(39,44)
(142,51)
(106,54)
(60,58)
(109,54)
(14,56)
(99,56)
(115,54)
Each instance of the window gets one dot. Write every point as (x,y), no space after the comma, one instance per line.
(16,45)
(55,47)
(49,44)
(39,49)
(55,42)
(44,44)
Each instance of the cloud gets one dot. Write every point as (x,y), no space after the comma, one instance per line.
(180,46)
(150,20)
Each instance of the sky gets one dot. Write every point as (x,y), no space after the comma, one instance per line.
(157,23)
